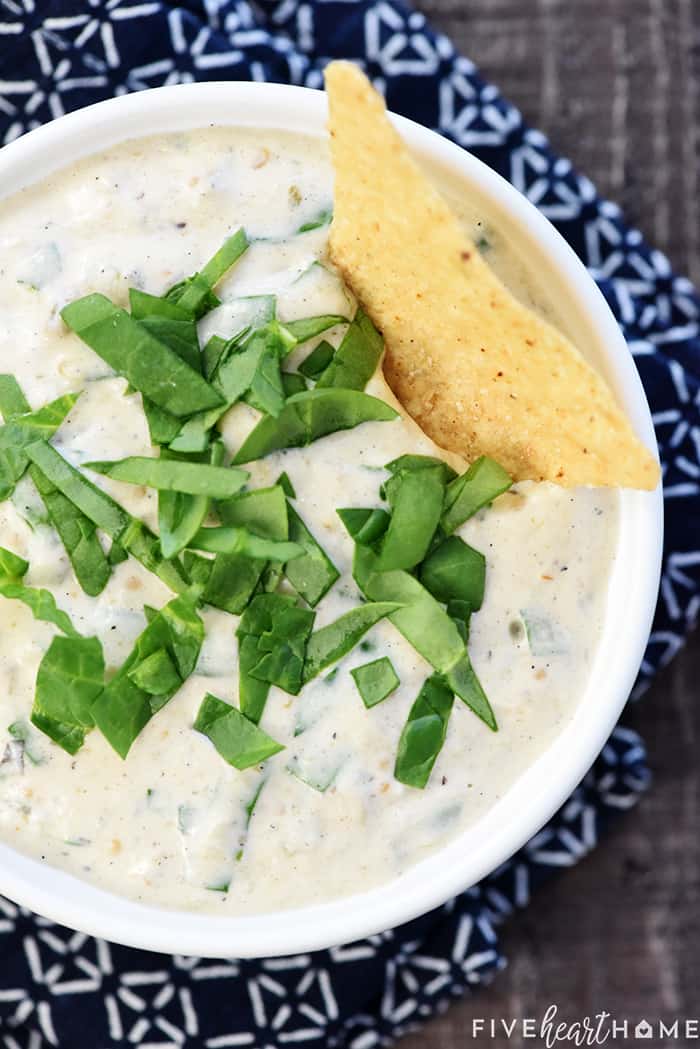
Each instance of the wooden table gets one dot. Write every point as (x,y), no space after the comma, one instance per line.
(616,86)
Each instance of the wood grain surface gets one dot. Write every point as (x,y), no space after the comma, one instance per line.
(616,86)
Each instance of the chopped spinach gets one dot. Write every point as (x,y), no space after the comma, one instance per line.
(238,740)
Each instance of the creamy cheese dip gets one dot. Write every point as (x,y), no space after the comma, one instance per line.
(168,822)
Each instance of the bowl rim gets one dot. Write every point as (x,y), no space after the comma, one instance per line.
(632,597)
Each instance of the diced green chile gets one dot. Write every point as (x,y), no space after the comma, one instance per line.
(318,779)
(332,642)
(238,740)
(424,733)
(481,484)
(308,416)
(148,364)
(356,359)
(545,637)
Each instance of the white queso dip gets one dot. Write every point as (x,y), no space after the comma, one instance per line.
(323,782)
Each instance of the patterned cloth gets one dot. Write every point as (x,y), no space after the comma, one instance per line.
(59,988)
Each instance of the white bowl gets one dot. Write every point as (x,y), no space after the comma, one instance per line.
(633,587)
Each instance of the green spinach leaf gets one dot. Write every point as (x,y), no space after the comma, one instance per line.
(262,510)
(416,498)
(12,399)
(92,501)
(365,526)
(313,573)
(149,365)
(375,681)
(317,361)
(308,416)
(466,494)
(332,642)
(174,475)
(124,708)
(239,741)
(40,602)
(424,733)
(69,679)
(281,630)
(310,327)
(226,539)
(21,431)
(181,515)
(77,533)
(455,571)
(356,359)
(195,294)
(169,323)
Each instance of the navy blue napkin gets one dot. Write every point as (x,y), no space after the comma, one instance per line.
(60,988)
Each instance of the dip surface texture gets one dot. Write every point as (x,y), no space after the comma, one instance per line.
(171,825)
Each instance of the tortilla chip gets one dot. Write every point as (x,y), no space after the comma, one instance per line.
(481,373)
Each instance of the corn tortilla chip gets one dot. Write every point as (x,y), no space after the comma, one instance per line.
(481,373)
